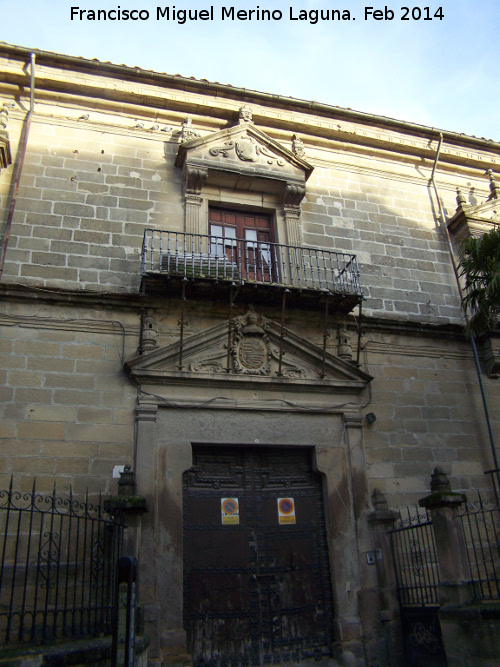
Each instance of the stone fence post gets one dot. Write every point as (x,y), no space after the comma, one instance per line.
(381,520)
(443,503)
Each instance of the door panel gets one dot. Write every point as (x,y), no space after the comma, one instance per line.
(256,591)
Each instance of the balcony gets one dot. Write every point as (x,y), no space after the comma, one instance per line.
(258,270)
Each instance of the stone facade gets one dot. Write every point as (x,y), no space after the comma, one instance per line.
(102,367)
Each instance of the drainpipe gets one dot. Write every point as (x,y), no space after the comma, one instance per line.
(27,124)
(444,225)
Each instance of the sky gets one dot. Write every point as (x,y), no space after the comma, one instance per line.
(441,72)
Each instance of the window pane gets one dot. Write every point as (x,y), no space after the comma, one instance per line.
(216,242)
(250,235)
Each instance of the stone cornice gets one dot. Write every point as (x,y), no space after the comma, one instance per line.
(146,89)
(417,168)
(126,73)
(266,404)
(68,324)
(417,171)
(15,292)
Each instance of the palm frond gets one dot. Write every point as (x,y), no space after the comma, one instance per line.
(480,267)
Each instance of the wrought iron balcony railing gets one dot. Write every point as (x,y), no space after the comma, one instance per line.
(200,256)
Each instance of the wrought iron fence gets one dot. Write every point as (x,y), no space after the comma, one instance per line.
(57,567)
(481,525)
(417,576)
(240,260)
(415,558)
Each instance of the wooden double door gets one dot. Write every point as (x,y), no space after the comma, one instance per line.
(257,586)
(245,240)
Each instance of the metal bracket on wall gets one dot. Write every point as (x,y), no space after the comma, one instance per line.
(182,321)
(360,329)
(282,335)
(230,326)
(326,336)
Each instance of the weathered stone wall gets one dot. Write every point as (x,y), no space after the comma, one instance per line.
(87,195)
(389,223)
(99,170)
(84,201)
(67,408)
(426,397)
(94,178)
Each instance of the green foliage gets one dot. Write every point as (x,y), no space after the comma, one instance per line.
(480,266)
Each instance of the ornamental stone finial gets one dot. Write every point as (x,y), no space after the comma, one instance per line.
(494,187)
(298,146)
(4,115)
(441,495)
(344,347)
(381,514)
(187,131)
(245,114)
(126,483)
(379,501)
(439,482)
(149,332)
(461,200)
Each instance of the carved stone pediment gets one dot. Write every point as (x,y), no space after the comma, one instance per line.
(243,157)
(250,353)
(475,220)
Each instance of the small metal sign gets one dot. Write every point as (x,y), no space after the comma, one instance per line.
(230,511)
(286,510)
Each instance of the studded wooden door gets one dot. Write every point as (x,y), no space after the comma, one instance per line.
(256,572)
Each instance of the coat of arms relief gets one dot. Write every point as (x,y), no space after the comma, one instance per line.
(252,350)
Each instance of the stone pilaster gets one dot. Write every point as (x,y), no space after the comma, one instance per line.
(354,430)
(349,501)
(390,639)
(146,456)
(333,462)
(145,449)
(194,179)
(192,213)
(292,198)
(363,578)
(293,227)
